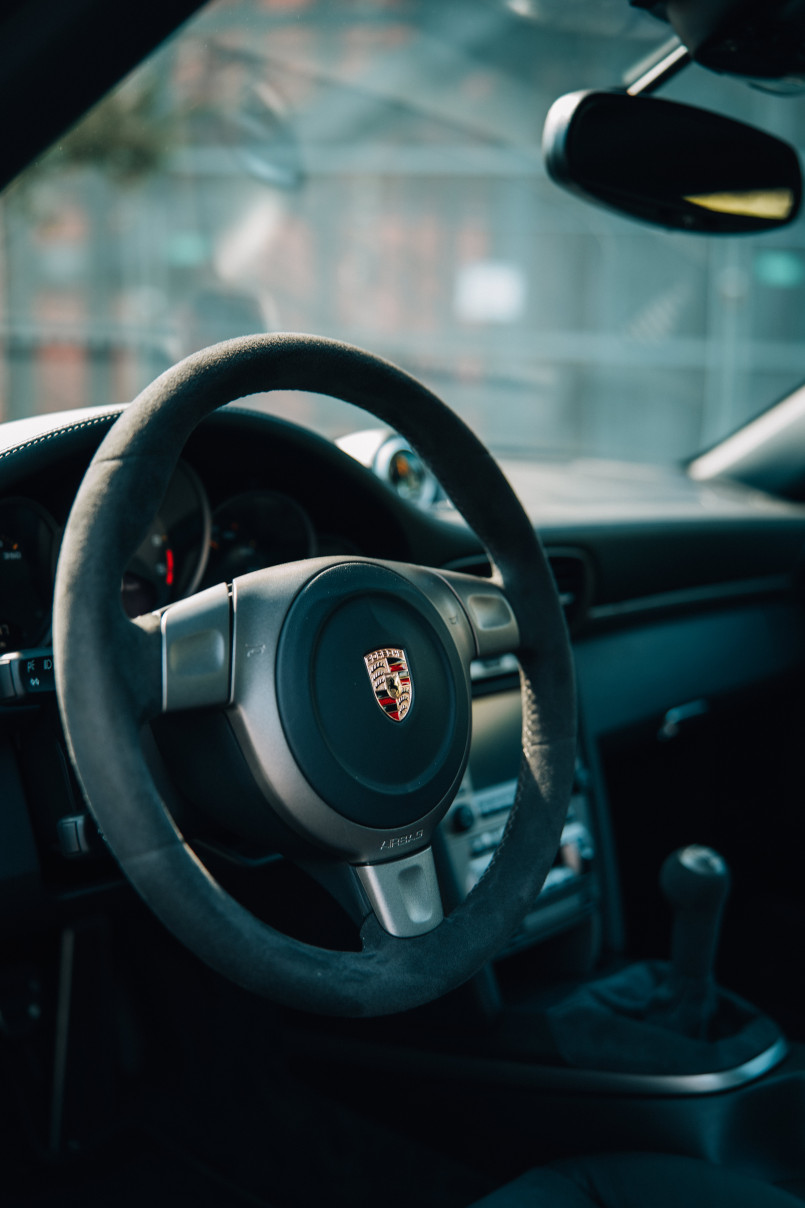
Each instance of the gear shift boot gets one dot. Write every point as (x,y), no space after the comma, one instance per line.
(660,1017)
(619,1023)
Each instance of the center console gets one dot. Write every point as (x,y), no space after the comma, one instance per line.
(566,1035)
(612,1023)
(474,826)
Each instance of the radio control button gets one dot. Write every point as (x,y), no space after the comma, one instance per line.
(462,819)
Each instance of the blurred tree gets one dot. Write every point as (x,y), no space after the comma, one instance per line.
(128,135)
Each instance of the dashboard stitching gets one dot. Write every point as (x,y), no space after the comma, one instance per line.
(86,423)
(39,440)
(94,423)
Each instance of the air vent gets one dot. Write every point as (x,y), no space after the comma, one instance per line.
(571,570)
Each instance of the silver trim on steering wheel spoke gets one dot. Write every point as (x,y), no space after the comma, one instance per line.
(490,614)
(404,894)
(197,651)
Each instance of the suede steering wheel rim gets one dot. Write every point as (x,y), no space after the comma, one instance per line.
(109,681)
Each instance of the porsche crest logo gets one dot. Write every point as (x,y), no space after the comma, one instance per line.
(391,681)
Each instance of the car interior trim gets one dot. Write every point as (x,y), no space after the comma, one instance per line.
(491,1070)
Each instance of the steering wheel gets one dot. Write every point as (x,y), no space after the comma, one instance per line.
(342,683)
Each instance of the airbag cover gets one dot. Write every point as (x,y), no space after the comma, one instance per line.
(370,769)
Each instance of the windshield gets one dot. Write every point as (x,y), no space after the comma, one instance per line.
(372,172)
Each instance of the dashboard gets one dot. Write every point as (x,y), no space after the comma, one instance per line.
(188,546)
(677,596)
(169,563)
(211,527)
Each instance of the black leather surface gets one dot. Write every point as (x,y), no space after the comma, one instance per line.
(102,707)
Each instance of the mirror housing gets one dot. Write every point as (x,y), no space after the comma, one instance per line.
(761,39)
(671,164)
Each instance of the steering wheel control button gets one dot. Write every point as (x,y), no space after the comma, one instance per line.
(391,681)
(26,673)
(462,819)
(73,836)
(196,651)
(404,894)
(378,775)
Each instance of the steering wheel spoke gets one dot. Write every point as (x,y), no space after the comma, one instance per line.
(484,625)
(404,894)
(491,616)
(196,651)
(397,898)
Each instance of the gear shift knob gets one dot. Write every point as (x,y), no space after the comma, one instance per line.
(695,881)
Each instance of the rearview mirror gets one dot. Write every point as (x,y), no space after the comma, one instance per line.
(671,164)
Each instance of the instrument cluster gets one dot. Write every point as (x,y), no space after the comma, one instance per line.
(188,545)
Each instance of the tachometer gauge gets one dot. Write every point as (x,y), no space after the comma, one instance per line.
(170,561)
(149,578)
(26,573)
(257,529)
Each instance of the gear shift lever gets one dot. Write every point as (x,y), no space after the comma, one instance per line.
(668,1017)
(695,881)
